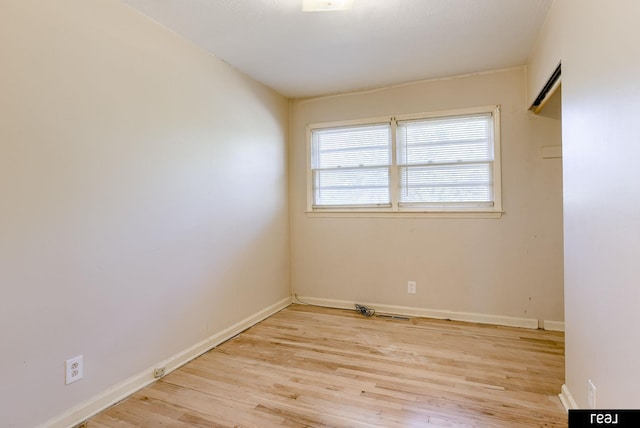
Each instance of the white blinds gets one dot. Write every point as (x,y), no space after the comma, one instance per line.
(446,161)
(350,166)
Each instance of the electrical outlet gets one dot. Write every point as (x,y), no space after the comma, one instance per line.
(159,372)
(411,287)
(74,369)
(591,397)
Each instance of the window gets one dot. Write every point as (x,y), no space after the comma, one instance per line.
(351,166)
(446,162)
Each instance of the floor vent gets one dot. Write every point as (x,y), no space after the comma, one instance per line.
(395,317)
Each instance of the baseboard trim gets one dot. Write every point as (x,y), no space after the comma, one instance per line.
(553,325)
(122,390)
(426,313)
(567,399)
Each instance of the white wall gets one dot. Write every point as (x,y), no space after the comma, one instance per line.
(143,199)
(507,267)
(597,42)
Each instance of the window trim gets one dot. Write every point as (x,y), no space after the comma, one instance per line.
(396,210)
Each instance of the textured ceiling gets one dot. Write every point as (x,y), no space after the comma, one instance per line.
(377,43)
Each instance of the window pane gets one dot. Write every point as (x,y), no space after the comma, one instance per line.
(352,147)
(479,150)
(446,160)
(357,186)
(446,140)
(447,184)
(351,166)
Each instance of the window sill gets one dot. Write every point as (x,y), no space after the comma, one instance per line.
(405,214)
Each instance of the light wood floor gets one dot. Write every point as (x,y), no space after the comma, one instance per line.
(315,367)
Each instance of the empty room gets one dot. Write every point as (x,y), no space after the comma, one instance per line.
(349,213)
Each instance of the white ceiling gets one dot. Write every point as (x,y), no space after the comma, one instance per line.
(377,43)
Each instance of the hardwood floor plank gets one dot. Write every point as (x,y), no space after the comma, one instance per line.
(316,367)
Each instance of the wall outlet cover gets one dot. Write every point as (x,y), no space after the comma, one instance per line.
(411,287)
(74,369)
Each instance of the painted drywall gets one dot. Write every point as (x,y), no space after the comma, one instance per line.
(600,92)
(510,266)
(143,199)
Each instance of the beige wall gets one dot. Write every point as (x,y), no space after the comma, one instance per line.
(508,267)
(143,199)
(597,42)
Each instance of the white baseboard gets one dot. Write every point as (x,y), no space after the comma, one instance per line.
(553,325)
(567,399)
(427,313)
(94,405)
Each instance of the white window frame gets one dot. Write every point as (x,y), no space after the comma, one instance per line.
(396,209)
